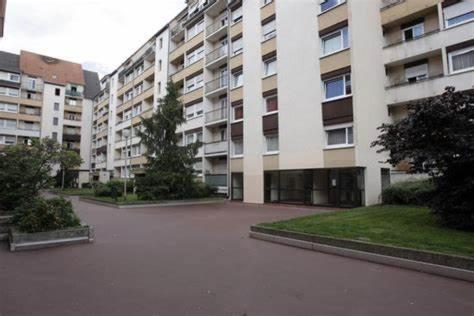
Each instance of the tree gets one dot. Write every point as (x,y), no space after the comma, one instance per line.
(437,138)
(169,173)
(25,170)
(68,160)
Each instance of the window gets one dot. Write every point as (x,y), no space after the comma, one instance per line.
(160,65)
(237,46)
(335,41)
(237,147)
(137,109)
(192,138)
(271,144)
(270,66)
(195,55)
(270,104)
(416,73)
(54,136)
(56,106)
(57,92)
(459,12)
(159,87)
(328,4)
(128,95)
(413,31)
(265,2)
(127,115)
(269,30)
(7,107)
(55,121)
(337,87)
(339,136)
(461,60)
(7,76)
(194,83)
(138,89)
(193,111)
(136,150)
(161,43)
(237,79)
(9,124)
(237,15)
(9,92)
(238,113)
(7,140)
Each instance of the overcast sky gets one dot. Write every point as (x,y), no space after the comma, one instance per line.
(100,34)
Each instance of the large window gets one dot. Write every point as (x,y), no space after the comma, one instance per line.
(237,46)
(237,15)
(9,92)
(338,87)
(9,124)
(269,30)
(238,113)
(416,73)
(329,4)
(270,66)
(237,79)
(7,76)
(192,138)
(195,55)
(458,13)
(461,60)
(237,147)
(194,111)
(413,31)
(195,29)
(335,41)
(7,140)
(270,104)
(194,83)
(339,136)
(7,107)
(271,144)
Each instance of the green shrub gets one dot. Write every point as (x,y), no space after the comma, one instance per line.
(86,185)
(409,193)
(113,186)
(40,215)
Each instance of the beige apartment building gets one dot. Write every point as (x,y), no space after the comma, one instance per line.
(286,96)
(41,97)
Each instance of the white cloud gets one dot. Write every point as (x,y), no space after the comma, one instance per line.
(98,33)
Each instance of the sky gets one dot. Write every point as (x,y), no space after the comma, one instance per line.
(99,34)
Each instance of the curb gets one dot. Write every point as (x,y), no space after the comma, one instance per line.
(162,204)
(464,274)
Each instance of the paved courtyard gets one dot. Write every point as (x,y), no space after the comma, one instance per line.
(199,261)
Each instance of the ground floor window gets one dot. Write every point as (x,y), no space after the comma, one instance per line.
(237,192)
(342,187)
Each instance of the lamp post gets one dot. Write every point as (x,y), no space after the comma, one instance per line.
(126,134)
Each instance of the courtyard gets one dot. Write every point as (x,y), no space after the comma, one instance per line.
(199,260)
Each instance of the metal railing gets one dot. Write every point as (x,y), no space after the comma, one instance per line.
(386,4)
(401,41)
(214,27)
(216,54)
(72,93)
(27,85)
(31,96)
(216,180)
(215,147)
(29,127)
(407,83)
(216,84)
(30,112)
(216,115)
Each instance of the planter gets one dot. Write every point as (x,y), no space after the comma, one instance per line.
(151,204)
(27,241)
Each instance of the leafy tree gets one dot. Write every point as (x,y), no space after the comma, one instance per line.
(169,173)
(437,138)
(25,170)
(68,160)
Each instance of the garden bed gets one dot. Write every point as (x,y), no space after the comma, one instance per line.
(74,192)
(27,241)
(133,202)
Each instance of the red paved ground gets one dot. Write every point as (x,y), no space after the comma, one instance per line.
(200,261)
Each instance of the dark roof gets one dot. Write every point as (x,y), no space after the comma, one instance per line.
(9,62)
(92,87)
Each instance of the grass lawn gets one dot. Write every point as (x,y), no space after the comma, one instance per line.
(402,226)
(74,191)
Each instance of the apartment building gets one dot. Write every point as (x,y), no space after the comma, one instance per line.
(287,95)
(3,8)
(41,97)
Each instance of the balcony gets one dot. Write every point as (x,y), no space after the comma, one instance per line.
(218,148)
(71,137)
(216,116)
(217,30)
(217,57)
(74,93)
(217,86)
(429,42)
(395,10)
(32,85)
(28,111)
(434,85)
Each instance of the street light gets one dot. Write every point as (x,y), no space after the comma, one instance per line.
(126,134)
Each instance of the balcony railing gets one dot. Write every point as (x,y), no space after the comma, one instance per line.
(214,27)
(216,84)
(216,180)
(385,4)
(31,96)
(75,94)
(27,85)
(216,115)
(29,127)
(219,147)
(30,112)
(406,83)
(400,41)
(216,54)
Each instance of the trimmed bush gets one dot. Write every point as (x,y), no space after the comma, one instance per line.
(40,215)
(112,187)
(87,185)
(409,193)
